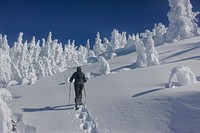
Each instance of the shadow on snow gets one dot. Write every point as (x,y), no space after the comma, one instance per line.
(147,92)
(49,108)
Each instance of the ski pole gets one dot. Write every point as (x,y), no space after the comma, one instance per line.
(85,95)
(69,93)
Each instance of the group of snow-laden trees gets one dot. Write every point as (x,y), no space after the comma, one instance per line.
(25,62)
(107,48)
(146,52)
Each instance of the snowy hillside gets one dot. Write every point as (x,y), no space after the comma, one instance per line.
(128,100)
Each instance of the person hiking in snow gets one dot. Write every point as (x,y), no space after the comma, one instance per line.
(80,79)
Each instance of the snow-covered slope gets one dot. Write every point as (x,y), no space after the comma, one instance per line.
(128,100)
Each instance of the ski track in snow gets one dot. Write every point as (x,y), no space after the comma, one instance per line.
(87,122)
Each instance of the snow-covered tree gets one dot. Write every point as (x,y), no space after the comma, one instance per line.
(115,39)
(182,21)
(108,49)
(98,48)
(181,76)
(141,52)
(104,66)
(5,68)
(152,55)
(82,55)
(7,124)
(4,43)
(123,39)
(88,45)
(158,34)
(144,36)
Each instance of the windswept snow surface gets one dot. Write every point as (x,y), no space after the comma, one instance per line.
(128,100)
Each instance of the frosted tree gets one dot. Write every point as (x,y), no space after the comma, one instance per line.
(144,36)
(182,21)
(181,76)
(32,48)
(152,55)
(24,64)
(123,39)
(141,52)
(17,49)
(40,68)
(88,44)
(5,68)
(67,51)
(115,39)
(158,34)
(130,41)
(59,58)
(104,66)
(98,48)
(4,44)
(82,55)
(7,124)
(108,49)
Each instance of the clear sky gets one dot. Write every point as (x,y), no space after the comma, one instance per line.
(80,19)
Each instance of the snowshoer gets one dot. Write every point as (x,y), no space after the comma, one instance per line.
(80,79)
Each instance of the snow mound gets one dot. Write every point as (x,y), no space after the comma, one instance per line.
(181,76)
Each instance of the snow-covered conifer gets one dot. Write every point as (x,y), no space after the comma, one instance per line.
(152,55)
(88,44)
(182,21)
(141,52)
(115,39)
(5,68)
(49,38)
(6,122)
(98,48)
(82,54)
(123,39)
(159,32)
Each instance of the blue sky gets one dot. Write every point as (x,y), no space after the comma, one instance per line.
(80,19)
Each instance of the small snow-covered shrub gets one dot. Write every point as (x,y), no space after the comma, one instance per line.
(12,83)
(181,76)
(5,95)
(32,78)
(104,66)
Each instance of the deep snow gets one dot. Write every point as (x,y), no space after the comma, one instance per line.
(128,100)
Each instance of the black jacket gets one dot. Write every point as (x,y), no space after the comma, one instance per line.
(79,77)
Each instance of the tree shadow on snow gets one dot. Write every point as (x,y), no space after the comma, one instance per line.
(198,78)
(147,92)
(49,108)
(185,59)
(196,46)
(132,66)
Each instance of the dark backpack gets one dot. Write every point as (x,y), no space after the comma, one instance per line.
(80,78)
